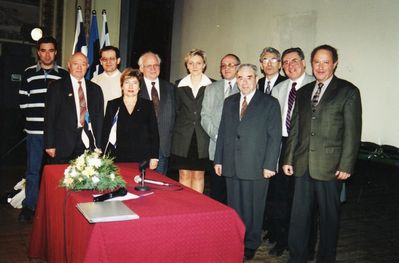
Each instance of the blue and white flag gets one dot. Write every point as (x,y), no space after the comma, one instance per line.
(105,41)
(94,48)
(85,138)
(112,133)
(79,44)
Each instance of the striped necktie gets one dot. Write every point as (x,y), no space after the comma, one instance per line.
(291,101)
(268,88)
(243,107)
(82,104)
(155,98)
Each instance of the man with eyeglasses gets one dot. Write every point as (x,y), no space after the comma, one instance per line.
(211,114)
(281,189)
(161,93)
(270,64)
(109,80)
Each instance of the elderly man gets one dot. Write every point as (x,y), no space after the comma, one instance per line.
(281,188)
(247,150)
(161,93)
(109,80)
(211,114)
(74,113)
(270,62)
(32,97)
(321,152)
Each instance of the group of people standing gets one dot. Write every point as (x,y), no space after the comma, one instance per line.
(257,133)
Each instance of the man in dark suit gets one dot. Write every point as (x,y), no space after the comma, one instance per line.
(321,152)
(247,150)
(74,114)
(270,62)
(161,93)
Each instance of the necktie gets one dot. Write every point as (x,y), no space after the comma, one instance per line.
(268,88)
(82,104)
(229,90)
(155,98)
(291,101)
(243,107)
(315,99)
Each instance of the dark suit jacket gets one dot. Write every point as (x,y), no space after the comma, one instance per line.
(166,117)
(328,139)
(144,128)
(261,82)
(60,120)
(246,147)
(188,119)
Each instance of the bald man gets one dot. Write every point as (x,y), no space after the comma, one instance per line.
(74,113)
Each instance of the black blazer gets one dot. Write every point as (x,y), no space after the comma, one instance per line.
(60,119)
(261,82)
(188,120)
(166,117)
(144,142)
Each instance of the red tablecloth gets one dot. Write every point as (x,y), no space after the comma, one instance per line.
(174,226)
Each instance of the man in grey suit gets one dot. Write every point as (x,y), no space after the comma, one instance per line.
(322,149)
(211,114)
(281,188)
(161,93)
(247,151)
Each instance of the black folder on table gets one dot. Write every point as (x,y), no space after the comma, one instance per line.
(96,212)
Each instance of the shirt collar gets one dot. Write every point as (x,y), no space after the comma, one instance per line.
(298,81)
(232,82)
(148,82)
(186,81)
(39,67)
(325,83)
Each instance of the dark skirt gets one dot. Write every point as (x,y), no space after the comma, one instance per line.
(191,162)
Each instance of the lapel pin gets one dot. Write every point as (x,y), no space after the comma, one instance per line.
(70,95)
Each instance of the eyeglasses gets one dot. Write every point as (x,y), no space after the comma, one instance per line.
(155,66)
(293,62)
(230,65)
(269,60)
(108,59)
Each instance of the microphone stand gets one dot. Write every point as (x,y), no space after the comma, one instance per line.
(142,187)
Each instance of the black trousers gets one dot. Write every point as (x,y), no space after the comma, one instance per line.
(247,198)
(326,196)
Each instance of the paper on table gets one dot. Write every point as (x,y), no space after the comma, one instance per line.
(128,196)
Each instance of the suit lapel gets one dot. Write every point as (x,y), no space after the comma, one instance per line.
(143,91)
(330,92)
(70,99)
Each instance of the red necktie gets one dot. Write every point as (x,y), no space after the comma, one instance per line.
(82,104)
(243,107)
(155,98)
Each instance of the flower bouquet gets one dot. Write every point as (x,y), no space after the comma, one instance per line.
(90,171)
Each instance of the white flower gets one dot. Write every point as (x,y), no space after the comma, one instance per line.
(80,162)
(95,179)
(68,181)
(96,162)
(66,172)
(73,172)
(88,171)
(112,176)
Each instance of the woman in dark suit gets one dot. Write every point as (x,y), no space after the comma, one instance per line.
(137,136)
(190,142)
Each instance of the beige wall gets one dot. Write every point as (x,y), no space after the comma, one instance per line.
(365,32)
(113,15)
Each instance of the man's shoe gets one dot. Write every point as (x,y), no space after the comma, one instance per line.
(277,250)
(26,215)
(249,253)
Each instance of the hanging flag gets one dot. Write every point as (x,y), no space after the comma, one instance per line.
(105,34)
(112,133)
(79,44)
(93,49)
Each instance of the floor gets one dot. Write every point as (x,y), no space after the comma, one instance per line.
(369,221)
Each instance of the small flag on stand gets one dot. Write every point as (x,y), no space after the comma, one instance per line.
(112,133)
(94,48)
(79,44)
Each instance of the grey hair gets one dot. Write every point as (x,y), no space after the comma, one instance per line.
(141,58)
(251,66)
(269,50)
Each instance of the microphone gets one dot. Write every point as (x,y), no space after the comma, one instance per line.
(137,179)
(120,192)
(143,165)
